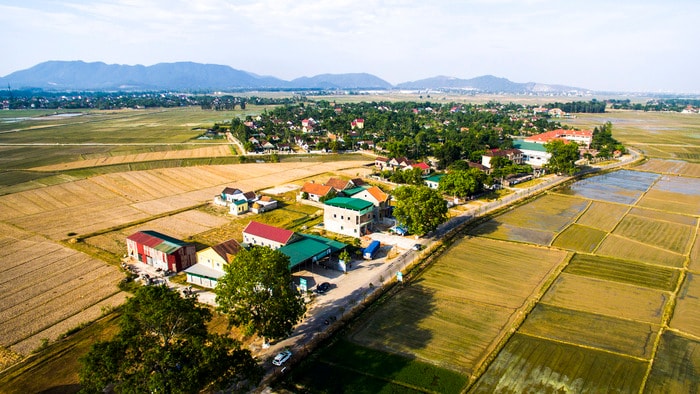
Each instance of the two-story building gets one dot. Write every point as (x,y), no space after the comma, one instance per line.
(348,216)
(211,262)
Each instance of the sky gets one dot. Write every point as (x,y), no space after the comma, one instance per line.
(604,45)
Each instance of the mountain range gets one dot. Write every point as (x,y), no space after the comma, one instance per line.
(189,76)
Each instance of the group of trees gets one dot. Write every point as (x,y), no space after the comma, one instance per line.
(604,142)
(164,345)
(592,107)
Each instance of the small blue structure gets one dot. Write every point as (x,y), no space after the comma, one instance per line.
(371,250)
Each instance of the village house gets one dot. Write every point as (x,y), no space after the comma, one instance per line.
(514,155)
(211,262)
(260,234)
(348,216)
(581,137)
(424,167)
(263,204)
(378,198)
(533,154)
(381,162)
(315,191)
(433,181)
(160,251)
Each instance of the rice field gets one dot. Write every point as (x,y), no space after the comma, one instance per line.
(676,365)
(623,248)
(663,234)
(623,187)
(633,273)
(686,317)
(603,215)
(579,238)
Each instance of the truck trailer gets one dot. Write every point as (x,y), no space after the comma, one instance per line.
(371,250)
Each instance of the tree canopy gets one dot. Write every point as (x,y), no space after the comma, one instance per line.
(419,208)
(463,183)
(163,346)
(257,293)
(563,157)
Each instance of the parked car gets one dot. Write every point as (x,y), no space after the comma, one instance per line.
(282,357)
(323,288)
(417,247)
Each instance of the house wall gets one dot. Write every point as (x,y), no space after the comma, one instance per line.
(211,259)
(261,241)
(201,281)
(535,158)
(345,221)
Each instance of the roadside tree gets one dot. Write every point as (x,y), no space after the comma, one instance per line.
(463,183)
(258,295)
(163,346)
(419,208)
(563,157)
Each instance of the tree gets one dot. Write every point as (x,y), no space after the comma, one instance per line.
(463,183)
(563,157)
(419,208)
(257,293)
(163,346)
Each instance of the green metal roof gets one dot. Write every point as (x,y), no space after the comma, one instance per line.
(354,204)
(529,146)
(354,190)
(310,247)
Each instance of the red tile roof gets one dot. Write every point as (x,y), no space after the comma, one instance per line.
(337,183)
(316,189)
(266,231)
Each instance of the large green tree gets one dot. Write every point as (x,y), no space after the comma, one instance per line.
(163,346)
(563,157)
(463,183)
(419,208)
(257,293)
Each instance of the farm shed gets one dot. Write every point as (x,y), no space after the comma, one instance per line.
(160,251)
(310,248)
(211,262)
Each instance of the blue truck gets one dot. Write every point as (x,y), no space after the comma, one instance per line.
(371,250)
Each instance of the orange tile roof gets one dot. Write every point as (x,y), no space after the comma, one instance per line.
(378,194)
(316,188)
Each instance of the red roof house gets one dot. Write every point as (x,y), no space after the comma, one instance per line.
(262,234)
(161,251)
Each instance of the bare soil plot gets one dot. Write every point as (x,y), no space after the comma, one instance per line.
(686,317)
(591,330)
(454,313)
(535,365)
(627,249)
(607,298)
(579,238)
(660,233)
(651,276)
(603,215)
(676,367)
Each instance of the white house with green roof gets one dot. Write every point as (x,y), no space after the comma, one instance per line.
(533,154)
(348,216)
(433,181)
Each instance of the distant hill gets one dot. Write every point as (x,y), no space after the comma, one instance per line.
(484,84)
(189,76)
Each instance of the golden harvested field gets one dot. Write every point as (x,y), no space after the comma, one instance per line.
(630,272)
(671,202)
(455,312)
(607,298)
(591,330)
(673,167)
(48,289)
(623,248)
(686,317)
(664,234)
(115,199)
(195,152)
(694,260)
(664,216)
(603,215)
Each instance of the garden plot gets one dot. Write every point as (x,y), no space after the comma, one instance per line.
(534,365)
(603,215)
(579,238)
(651,276)
(676,367)
(660,233)
(686,317)
(591,330)
(607,298)
(623,186)
(623,248)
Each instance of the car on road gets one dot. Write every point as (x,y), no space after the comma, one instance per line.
(417,247)
(323,288)
(282,357)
